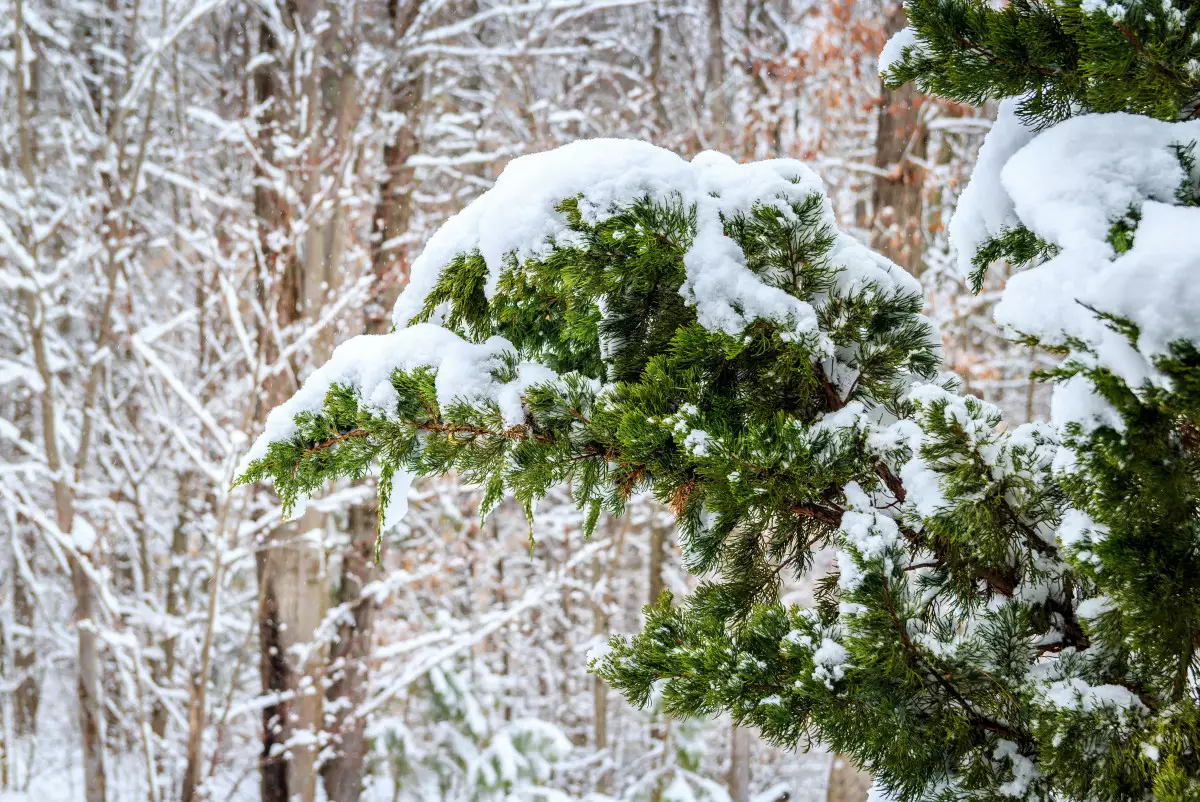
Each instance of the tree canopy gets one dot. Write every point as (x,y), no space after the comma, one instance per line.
(1016,610)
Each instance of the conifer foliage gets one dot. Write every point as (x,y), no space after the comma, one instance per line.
(1016,609)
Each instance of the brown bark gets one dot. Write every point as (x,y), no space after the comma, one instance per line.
(343,774)
(739,764)
(88,668)
(88,686)
(389,263)
(291,605)
(718,104)
(658,538)
(291,588)
(846,782)
(28,695)
(599,688)
(276,678)
(661,117)
(658,542)
(163,670)
(283,268)
(900,148)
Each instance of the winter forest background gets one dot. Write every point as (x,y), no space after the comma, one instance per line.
(197,201)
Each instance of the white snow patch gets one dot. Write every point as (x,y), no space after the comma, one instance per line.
(365,364)
(1094,607)
(397,506)
(870,532)
(83,533)
(696,441)
(1024,770)
(984,208)
(1076,401)
(1104,165)
(894,49)
(831,660)
(517,218)
(1077,694)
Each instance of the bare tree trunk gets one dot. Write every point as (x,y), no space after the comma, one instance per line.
(658,542)
(599,688)
(659,729)
(661,117)
(274,666)
(291,605)
(88,685)
(163,670)
(900,148)
(18,659)
(88,689)
(846,782)
(343,774)
(392,213)
(90,706)
(394,209)
(739,764)
(198,698)
(28,694)
(291,592)
(718,104)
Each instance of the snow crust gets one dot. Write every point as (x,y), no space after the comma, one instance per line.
(518,219)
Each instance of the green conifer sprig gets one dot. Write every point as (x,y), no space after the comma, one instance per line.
(615,425)
(1015,611)
(1061,59)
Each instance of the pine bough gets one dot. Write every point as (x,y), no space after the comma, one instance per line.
(1016,610)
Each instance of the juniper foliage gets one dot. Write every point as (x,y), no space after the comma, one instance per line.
(1016,610)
